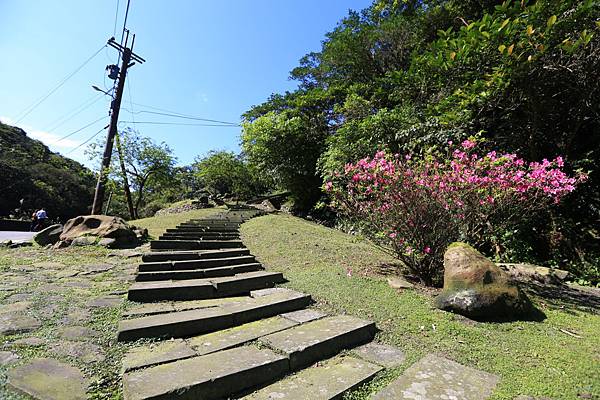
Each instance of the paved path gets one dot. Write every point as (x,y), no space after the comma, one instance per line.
(16,236)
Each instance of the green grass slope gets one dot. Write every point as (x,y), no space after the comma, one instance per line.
(341,272)
(159,224)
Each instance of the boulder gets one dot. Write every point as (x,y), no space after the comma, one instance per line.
(534,273)
(100,226)
(84,241)
(477,288)
(49,235)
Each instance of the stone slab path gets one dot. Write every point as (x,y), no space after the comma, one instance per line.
(220,328)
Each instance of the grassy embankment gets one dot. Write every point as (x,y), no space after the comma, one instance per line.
(344,274)
(61,288)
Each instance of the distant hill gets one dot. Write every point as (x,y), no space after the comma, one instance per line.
(30,171)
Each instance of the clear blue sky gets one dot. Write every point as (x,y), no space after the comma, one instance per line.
(214,59)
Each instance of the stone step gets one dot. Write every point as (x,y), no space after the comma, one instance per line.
(201,234)
(195,244)
(209,224)
(435,377)
(193,255)
(213,272)
(317,340)
(213,376)
(177,349)
(203,229)
(198,289)
(198,237)
(195,264)
(205,320)
(329,381)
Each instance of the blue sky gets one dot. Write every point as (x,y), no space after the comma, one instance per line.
(212,59)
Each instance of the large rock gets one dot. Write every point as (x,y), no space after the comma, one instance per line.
(102,226)
(477,288)
(49,235)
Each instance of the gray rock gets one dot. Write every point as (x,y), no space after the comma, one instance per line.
(48,379)
(11,324)
(49,235)
(382,354)
(100,226)
(29,342)
(108,301)
(78,333)
(398,282)
(436,378)
(84,241)
(61,244)
(8,357)
(86,352)
(529,272)
(477,288)
(107,242)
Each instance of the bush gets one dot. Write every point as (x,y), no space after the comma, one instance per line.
(418,206)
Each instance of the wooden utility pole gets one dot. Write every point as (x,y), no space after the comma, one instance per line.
(132,213)
(127,55)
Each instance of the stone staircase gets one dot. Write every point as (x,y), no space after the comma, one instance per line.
(219,327)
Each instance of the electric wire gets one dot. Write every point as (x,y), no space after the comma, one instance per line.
(90,138)
(72,114)
(178,123)
(80,129)
(36,103)
(183,116)
(116,17)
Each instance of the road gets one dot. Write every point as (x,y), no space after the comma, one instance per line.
(16,236)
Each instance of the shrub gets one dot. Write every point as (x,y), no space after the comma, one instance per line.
(419,205)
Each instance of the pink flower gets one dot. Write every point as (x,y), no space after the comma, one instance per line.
(427,250)
(468,144)
(328,186)
(393,235)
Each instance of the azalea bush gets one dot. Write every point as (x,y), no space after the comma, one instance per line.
(417,206)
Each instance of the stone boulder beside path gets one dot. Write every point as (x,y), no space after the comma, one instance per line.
(113,232)
(477,288)
(49,235)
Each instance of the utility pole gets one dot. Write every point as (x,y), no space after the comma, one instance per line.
(132,214)
(127,55)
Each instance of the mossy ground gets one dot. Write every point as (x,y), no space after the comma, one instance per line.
(344,274)
(58,287)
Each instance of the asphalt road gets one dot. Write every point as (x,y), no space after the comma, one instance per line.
(16,237)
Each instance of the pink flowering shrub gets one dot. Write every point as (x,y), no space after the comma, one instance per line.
(418,206)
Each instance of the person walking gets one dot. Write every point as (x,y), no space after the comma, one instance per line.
(33,222)
(41,216)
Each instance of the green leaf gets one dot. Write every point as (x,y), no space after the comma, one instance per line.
(551,21)
(501,48)
(506,21)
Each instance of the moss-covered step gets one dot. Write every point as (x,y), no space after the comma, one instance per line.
(205,320)
(195,244)
(327,381)
(195,264)
(213,376)
(172,350)
(438,378)
(201,229)
(193,254)
(316,340)
(199,236)
(227,270)
(198,289)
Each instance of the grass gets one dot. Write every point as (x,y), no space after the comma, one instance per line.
(342,273)
(158,225)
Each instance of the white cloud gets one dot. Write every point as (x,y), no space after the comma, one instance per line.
(49,139)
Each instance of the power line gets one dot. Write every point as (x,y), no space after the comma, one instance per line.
(36,103)
(184,116)
(177,123)
(90,138)
(75,112)
(80,129)
(116,17)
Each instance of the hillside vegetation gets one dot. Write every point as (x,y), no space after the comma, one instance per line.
(30,171)
(412,77)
